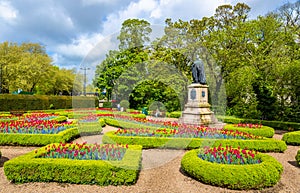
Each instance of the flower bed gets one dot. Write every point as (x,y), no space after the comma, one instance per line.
(292,138)
(262,145)
(255,129)
(41,166)
(265,173)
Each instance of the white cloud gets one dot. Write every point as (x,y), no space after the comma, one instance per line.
(7,11)
(80,46)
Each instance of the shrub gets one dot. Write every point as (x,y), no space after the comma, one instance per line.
(38,139)
(297,157)
(262,145)
(125,104)
(41,102)
(292,138)
(125,124)
(263,131)
(139,116)
(60,119)
(288,126)
(242,177)
(107,105)
(31,168)
(175,114)
(89,128)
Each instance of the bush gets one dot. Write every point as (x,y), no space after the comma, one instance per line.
(139,116)
(297,157)
(288,126)
(175,114)
(60,119)
(30,168)
(242,177)
(38,139)
(107,105)
(102,122)
(126,124)
(89,128)
(125,104)
(264,131)
(42,102)
(262,145)
(292,138)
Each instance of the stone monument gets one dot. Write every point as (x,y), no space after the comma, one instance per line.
(197,109)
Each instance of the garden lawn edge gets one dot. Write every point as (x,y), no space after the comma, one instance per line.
(264,131)
(38,139)
(263,145)
(241,177)
(292,138)
(29,168)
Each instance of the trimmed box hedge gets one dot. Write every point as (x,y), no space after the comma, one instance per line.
(297,157)
(292,138)
(242,177)
(42,102)
(288,126)
(264,131)
(127,124)
(89,128)
(263,145)
(38,139)
(30,168)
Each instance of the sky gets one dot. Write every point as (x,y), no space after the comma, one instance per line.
(78,33)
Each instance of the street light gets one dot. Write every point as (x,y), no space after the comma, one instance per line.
(84,79)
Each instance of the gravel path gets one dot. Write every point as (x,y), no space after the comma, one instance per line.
(160,173)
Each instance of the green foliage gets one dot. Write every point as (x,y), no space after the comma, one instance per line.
(30,168)
(297,157)
(264,145)
(241,177)
(280,125)
(107,105)
(292,138)
(38,139)
(90,128)
(42,102)
(126,124)
(264,131)
(124,104)
(140,116)
(175,114)
(60,119)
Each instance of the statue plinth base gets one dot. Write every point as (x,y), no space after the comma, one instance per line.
(197,110)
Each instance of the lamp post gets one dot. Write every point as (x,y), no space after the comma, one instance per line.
(84,79)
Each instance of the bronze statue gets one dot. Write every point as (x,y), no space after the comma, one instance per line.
(198,72)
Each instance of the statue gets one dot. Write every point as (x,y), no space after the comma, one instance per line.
(198,72)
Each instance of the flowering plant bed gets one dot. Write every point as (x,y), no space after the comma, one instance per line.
(167,139)
(77,163)
(256,172)
(255,129)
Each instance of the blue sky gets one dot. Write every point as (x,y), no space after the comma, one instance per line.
(72,29)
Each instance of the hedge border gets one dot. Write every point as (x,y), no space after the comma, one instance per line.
(38,139)
(288,126)
(242,177)
(29,168)
(292,138)
(264,131)
(263,145)
(128,125)
(297,157)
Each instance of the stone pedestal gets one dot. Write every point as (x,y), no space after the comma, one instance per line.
(197,110)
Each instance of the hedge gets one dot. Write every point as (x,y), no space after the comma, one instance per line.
(288,126)
(175,114)
(30,168)
(127,124)
(297,157)
(60,119)
(42,102)
(292,138)
(262,145)
(264,131)
(38,139)
(242,177)
(89,128)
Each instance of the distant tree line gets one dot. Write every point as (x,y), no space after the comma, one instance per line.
(256,61)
